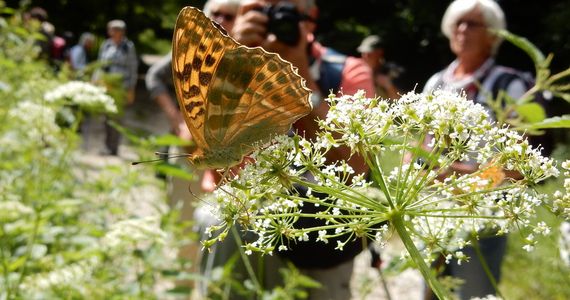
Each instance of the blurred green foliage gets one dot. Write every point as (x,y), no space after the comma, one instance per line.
(410,28)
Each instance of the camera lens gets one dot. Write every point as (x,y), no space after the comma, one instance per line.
(284,22)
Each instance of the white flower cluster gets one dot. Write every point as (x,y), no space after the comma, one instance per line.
(360,121)
(13,210)
(134,233)
(488,297)
(561,202)
(32,124)
(453,120)
(515,153)
(83,94)
(39,286)
(438,212)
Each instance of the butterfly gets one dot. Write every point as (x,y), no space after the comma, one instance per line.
(233,98)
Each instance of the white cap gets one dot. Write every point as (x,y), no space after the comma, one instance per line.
(118,24)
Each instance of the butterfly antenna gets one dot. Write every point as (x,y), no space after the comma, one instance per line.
(162,156)
(195,195)
(226,173)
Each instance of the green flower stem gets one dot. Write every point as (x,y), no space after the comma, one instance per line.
(475,245)
(438,215)
(29,247)
(558,76)
(398,223)
(350,197)
(245,259)
(399,180)
(378,176)
(403,184)
(423,178)
(77,121)
(372,208)
(315,216)
(5,272)
(420,203)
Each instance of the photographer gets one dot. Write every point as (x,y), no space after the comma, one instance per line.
(385,73)
(286,27)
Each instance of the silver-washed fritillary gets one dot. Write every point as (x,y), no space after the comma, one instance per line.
(233,97)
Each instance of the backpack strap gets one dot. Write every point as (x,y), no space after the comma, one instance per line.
(503,81)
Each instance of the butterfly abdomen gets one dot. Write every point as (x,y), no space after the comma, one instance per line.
(217,158)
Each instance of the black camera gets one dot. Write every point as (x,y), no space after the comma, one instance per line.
(284,21)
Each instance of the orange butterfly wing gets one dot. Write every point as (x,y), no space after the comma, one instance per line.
(232,97)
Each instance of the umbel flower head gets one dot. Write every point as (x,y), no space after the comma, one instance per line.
(84,95)
(408,145)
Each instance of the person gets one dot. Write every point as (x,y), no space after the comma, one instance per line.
(325,70)
(371,50)
(38,16)
(119,56)
(78,53)
(467,24)
(222,12)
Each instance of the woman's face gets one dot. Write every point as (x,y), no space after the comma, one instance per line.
(470,38)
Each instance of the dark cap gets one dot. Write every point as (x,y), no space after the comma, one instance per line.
(369,44)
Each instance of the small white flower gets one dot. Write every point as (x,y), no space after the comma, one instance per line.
(13,210)
(461,257)
(322,236)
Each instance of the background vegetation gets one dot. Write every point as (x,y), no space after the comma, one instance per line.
(410,28)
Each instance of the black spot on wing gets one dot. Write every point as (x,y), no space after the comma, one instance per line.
(260,77)
(209,61)
(190,106)
(196,63)
(192,92)
(216,46)
(204,78)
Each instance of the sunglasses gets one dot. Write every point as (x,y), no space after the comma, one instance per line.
(470,24)
(222,15)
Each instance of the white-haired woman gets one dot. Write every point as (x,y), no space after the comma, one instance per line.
(469,25)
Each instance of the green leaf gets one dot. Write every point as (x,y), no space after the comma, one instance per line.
(17,263)
(174,171)
(7,10)
(531,112)
(555,122)
(128,133)
(180,290)
(170,140)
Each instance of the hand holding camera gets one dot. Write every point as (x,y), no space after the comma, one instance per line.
(258,22)
(283,22)
(280,28)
